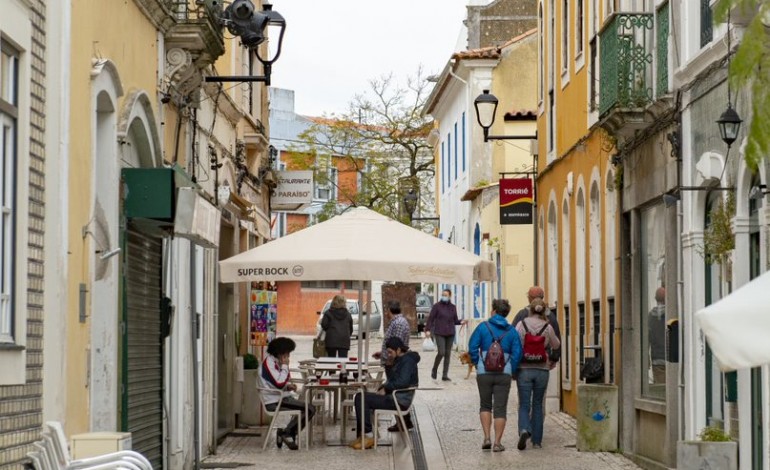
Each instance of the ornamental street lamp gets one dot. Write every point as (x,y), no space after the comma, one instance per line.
(729,125)
(486,108)
(410,202)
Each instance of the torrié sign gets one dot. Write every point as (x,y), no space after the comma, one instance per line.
(295,189)
(516,199)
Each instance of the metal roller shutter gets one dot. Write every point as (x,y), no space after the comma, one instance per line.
(143,355)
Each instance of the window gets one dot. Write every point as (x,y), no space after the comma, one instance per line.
(593,78)
(553,249)
(541,53)
(564,36)
(443,167)
(463,142)
(551,127)
(456,152)
(653,308)
(579,28)
(449,159)
(706,23)
(611,345)
(582,331)
(326,182)
(596,308)
(9,112)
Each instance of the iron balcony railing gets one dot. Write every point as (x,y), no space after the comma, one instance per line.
(626,59)
(193,10)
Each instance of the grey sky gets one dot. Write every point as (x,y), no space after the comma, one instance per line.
(332,48)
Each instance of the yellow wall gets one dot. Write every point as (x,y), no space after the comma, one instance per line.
(514,82)
(117,31)
(582,151)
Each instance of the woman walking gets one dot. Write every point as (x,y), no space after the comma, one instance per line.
(441,326)
(338,325)
(493,372)
(537,336)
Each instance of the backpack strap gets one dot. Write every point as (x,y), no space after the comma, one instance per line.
(525,326)
(500,339)
(547,324)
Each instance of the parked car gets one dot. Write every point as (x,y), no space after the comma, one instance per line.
(424,303)
(374,321)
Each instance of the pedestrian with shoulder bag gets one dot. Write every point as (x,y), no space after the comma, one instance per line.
(537,336)
(495,349)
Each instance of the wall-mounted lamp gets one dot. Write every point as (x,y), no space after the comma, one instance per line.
(486,107)
(104,254)
(758,192)
(729,122)
(241,19)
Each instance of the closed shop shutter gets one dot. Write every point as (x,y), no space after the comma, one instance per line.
(143,380)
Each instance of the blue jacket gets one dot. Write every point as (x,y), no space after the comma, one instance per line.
(481,340)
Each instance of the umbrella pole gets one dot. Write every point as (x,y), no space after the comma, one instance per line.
(360,325)
(370,305)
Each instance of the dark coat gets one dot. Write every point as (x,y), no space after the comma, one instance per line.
(338,325)
(442,319)
(403,374)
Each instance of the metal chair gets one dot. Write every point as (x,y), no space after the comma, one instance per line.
(399,413)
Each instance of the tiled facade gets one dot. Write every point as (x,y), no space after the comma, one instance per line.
(21,405)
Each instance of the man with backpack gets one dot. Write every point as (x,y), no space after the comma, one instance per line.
(495,348)
(538,337)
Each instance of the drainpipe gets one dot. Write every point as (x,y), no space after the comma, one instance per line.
(194,342)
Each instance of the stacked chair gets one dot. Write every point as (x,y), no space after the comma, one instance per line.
(52,453)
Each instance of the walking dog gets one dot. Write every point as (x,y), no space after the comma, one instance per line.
(465,358)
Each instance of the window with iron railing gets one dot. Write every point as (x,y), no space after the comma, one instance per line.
(706,23)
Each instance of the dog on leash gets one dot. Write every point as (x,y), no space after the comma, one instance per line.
(465,358)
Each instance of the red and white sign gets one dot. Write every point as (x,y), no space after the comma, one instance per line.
(516,199)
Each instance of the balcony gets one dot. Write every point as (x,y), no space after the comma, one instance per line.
(626,96)
(190,25)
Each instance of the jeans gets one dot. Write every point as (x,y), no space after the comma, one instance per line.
(532,384)
(337,352)
(372,401)
(444,346)
(290,403)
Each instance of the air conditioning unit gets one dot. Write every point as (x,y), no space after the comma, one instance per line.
(93,444)
(196,218)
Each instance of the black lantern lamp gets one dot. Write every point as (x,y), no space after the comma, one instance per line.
(486,108)
(729,125)
(242,20)
(410,202)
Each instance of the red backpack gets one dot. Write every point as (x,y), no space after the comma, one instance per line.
(494,361)
(534,345)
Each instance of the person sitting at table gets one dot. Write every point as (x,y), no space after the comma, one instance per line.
(274,374)
(403,375)
(398,328)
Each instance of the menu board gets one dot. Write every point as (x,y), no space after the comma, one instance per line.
(263,313)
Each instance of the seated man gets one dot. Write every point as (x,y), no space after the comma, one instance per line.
(402,375)
(274,374)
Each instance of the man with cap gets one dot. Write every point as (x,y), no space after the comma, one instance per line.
(537,292)
(402,375)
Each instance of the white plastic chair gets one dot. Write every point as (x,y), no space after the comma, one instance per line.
(399,413)
(53,454)
(276,412)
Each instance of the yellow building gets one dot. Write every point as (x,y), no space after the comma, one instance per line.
(576,191)
(150,144)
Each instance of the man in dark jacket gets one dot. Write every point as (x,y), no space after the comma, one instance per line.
(403,375)
(537,292)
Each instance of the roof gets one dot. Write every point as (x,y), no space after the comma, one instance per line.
(482,53)
(473,193)
(520,115)
(520,37)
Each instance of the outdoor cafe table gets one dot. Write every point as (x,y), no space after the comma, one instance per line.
(333,385)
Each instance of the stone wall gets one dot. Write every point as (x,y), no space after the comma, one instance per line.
(499,22)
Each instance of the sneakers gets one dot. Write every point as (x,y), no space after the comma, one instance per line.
(366,443)
(397,427)
(523,440)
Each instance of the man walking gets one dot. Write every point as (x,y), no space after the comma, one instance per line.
(537,292)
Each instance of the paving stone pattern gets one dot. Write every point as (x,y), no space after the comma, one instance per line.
(454,415)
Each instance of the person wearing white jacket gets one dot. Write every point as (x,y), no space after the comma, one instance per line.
(275,375)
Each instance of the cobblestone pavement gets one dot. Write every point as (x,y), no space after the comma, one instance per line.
(451,415)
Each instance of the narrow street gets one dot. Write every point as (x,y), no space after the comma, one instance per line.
(450,433)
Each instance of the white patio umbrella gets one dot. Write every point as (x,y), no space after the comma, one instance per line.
(359,245)
(737,327)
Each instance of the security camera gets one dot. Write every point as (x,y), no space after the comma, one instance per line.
(242,20)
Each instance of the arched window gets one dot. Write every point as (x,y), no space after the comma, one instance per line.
(609,235)
(580,247)
(566,270)
(553,255)
(595,248)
